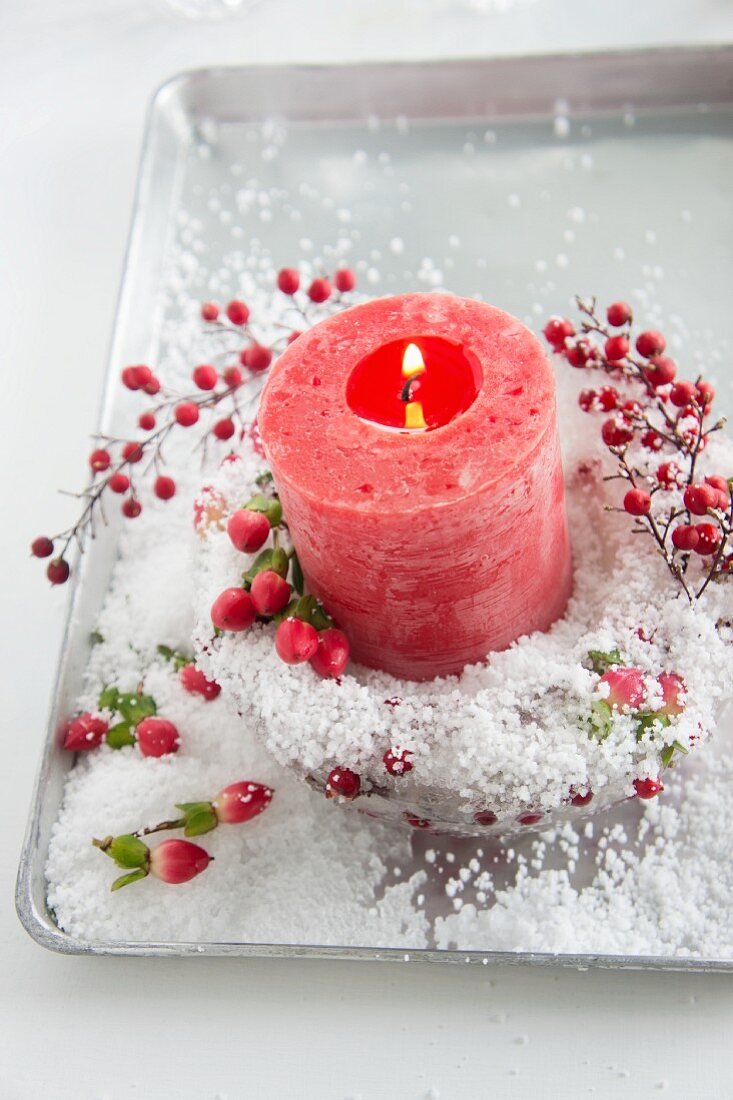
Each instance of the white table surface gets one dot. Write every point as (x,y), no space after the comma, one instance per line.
(75,78)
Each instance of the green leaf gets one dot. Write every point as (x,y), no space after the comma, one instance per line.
(200,822)
(262,562)
(96,638)
(280,562)
(286,613)
(120,735)
(297,574)
(667,754)
(180,660)
(311,611)
(108,698)
(601,719)
(167,652)
(128,851)
(264,479)
(125,880)
(653,722)
(133,707)
(601,661)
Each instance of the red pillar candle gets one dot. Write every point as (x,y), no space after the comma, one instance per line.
(414,445)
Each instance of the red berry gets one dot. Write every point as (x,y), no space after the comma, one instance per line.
(608,398)
(194,682)
(669,475)
(146,421)
(650,343)
(209,311)
(637,502)
(343,783)
(186,413)
(233,610)
(238,312)
(708,539)
(175,861)
(136,378)
(674,692)
(529,819)
(616,434)
(616,348)
(85,732)
(705,393)
(626,687)
(682,393)
(132,452)
(485,817)
(345,280)
(157,737)
(685,537)
(557,331)
(661,371)
(698,498)
(131,508)
(205,377)
(224,429)
(295,641)
(618,314)
(256,357)
(232,376)
(58,571)
(398,763)
(415,821)
(288,280)
(718,483)
(319,290)
(587,400)
(152,387)
(119,483)
(578,353)
(241,802)
(270,593)
(651,440)
(165,487)
(99,460)
(248,530)
(332,655)
(580,799)
(648,788)
(41,547)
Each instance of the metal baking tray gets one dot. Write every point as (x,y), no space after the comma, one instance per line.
(522,180)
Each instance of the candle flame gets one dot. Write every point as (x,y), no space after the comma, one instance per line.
(413,365)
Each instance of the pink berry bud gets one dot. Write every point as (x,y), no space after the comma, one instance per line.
(177,861)
(270,593)
(241,802)
(295,641)
(194,682)
(626,687)
(85,732)
(674,693)
(157,737)
(332,655)
(248,530)
(637,502)
(343,783)
(233,610)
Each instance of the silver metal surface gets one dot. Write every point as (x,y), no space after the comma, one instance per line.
(647,159)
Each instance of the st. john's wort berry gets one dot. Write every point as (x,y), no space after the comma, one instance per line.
(248,530)
(578,353)
(57,571)
(165,487)
(119,482)
(85,732)
(233,610)
(232,376)
(398,763)
(99,460)
(344,280)
(343,783)
(587,400)
(296,641)
(618,314)
(288,280)
(616,348)
(530,819)
(223,429)
(186,413)
(626,687)
(578,799)
(210,311)
(332,655)
(557,331)
(682,393)
(685,537)
(669,475)
(256,358)
(240,802)
(615,433)
(637,502)
(608,398)
(131,508)
(319,290)
(674,692)
(705,393)
(698,498)
(175,861)
(294,336)
(648,788)
(650,343)
(270,593)
(205,377)
(146,421)
(709,538)
(42,547)
(416,822)
(661,371)
(157,737)
(485,818)
(132,452)
(194,682)
(651,440)
(237,312)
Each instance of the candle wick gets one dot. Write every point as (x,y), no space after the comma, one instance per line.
(405,395)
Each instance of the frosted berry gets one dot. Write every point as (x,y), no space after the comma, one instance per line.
(233,610)
(674,693)
(705,393)
(119,483)
(238,312)
(661,371)
(132,453)
(205,377)
(578,353)
(618,314)
(698,498)
(343,783)
(682,393)
(241,802)
(626,687)
(165,487)
(210,311)
(608,398)
(650,343)
(288,280)
(85,732)
(616,348)
(295,641)
(157,737)
(587,400)
(248,530)
(270,593)
(652,440)
(186,414)
(557,331)
(637,502)
(577,799)
(648,788)
(131,508)
(669,475)
(529,819)
(485,817)
(345,280)
(256,357)
(99,460)
(146,421)
(232,376)
(194,682)
(685,537)
(58,571)
(175,861)
(616,434)
(223,429)
(332,655)
(398,763)
(319,290)
(42,547)
(708,539)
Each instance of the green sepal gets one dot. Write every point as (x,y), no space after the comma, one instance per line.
(280,562)
(108,698)
(601,719)
(120,735)
(199,818)
(297,574)
(125,880)
(652,722)
(128,851)
(601,661)
(133,707)
(268,506)
(262,562)
(180,660)
(265,478)
(310,611)
(669,750)
(286,613)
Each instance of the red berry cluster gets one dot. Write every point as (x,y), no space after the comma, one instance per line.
(650,407)
(137,724)
(218,395)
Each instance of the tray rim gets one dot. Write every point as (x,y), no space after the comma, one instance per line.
(41,926)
